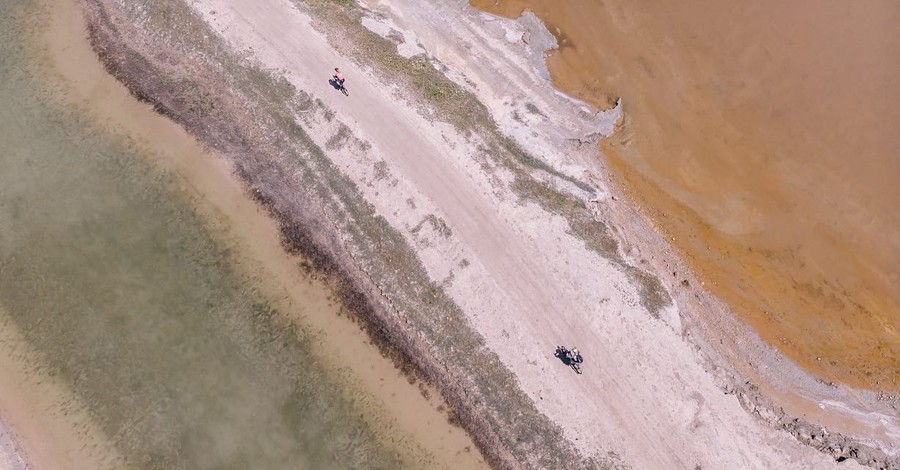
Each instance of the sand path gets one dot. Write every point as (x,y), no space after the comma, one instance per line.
(530,285)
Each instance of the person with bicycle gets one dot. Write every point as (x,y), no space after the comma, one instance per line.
(338,76)
(575,356)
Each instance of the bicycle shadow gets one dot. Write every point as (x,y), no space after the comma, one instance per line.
(335,84)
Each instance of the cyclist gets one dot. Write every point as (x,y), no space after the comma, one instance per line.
(575,356)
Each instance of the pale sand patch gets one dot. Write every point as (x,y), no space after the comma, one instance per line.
(527,284)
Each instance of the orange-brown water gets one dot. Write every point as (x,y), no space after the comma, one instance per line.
(764,139)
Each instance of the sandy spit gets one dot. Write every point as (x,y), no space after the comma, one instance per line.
(516,273)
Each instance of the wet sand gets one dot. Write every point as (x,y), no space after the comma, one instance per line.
(760,138)
(409,415)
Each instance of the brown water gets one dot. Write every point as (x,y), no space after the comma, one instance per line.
(764,139)
(148,316)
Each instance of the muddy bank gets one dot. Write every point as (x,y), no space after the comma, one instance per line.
(319,214)
(759,139)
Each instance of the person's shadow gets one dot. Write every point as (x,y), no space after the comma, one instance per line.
(334,83)
(561,353)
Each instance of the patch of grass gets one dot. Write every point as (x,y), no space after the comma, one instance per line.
(517,159)
(327,112)
(548,198)
(653,295)
(534,109)
(381,170)
(340,138)
(198,101)
(437,224)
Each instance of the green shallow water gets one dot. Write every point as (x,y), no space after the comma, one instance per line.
(114,282)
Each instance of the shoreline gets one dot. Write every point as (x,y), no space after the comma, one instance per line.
(769,386)
(410,415)
(384,320)
(722,146)
(856,422)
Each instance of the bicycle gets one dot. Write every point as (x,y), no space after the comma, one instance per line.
(339,84)
(569,358)
(337,81)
